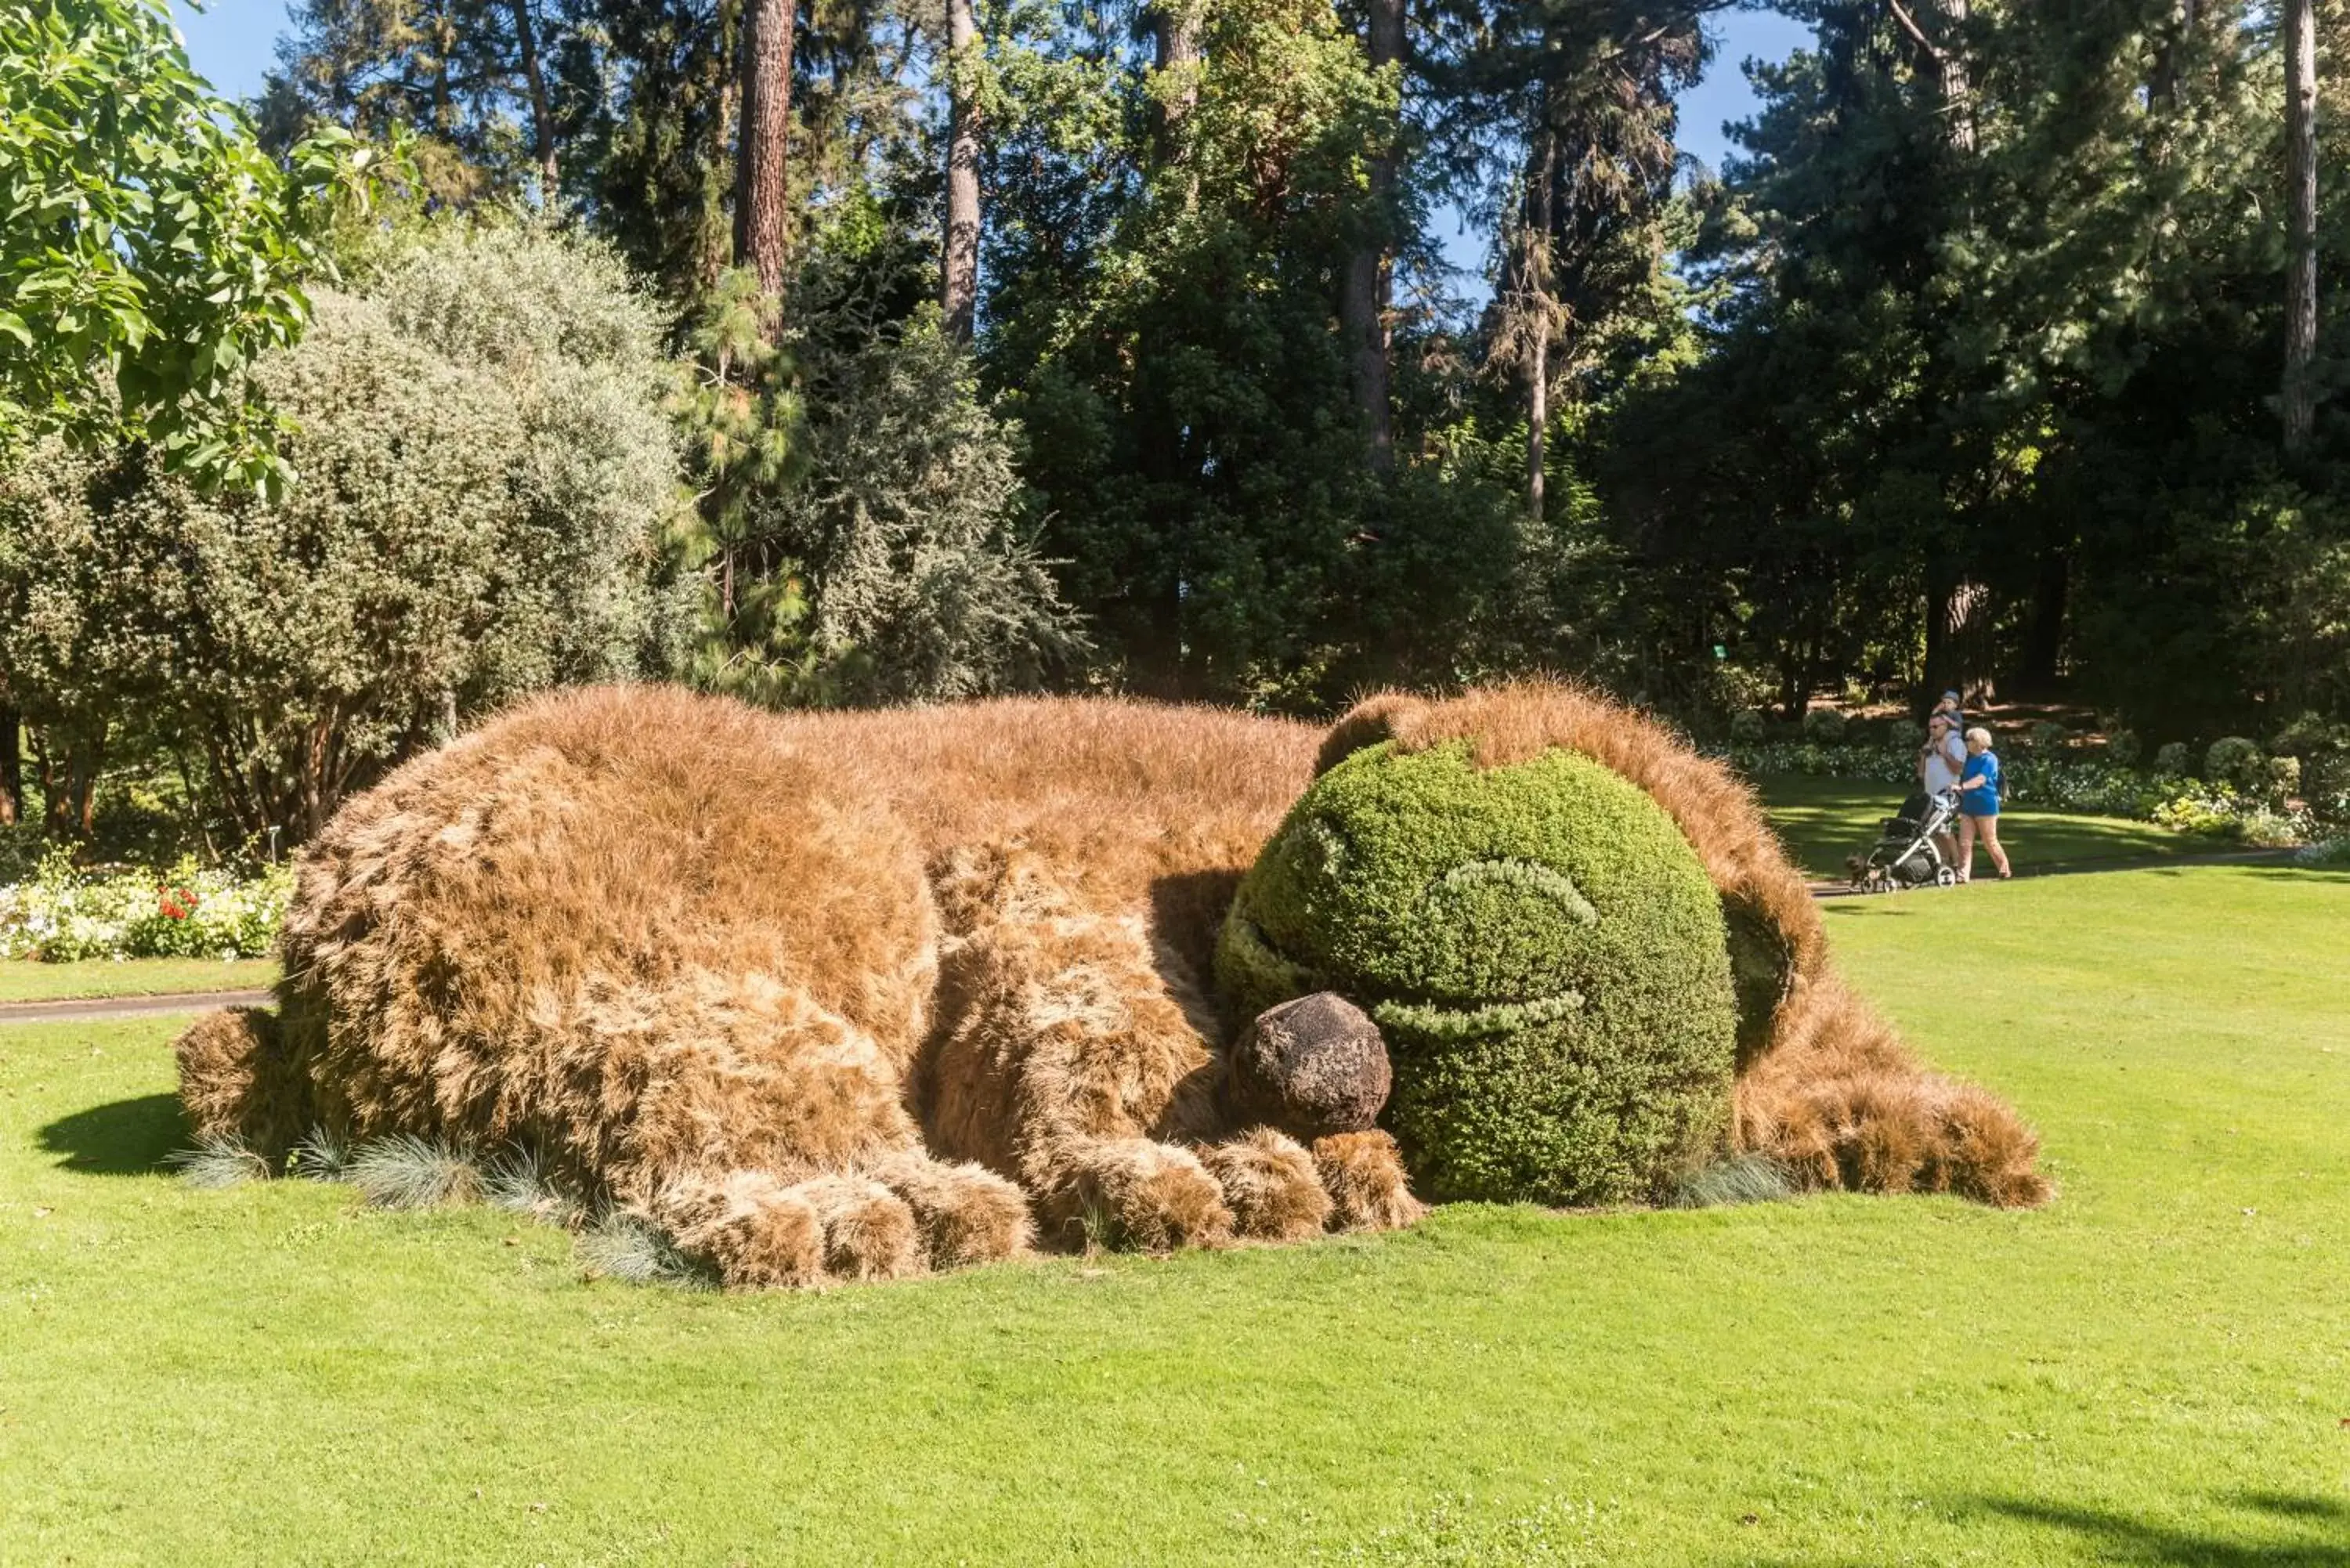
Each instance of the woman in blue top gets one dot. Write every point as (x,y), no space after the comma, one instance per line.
(1979,805)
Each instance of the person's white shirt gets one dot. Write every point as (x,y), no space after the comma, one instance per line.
(1945,760)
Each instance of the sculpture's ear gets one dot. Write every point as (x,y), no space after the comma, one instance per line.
(1382,717)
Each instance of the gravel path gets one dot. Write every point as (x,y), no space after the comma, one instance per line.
(98,1009)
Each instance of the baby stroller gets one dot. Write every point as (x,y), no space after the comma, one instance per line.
(1904,854)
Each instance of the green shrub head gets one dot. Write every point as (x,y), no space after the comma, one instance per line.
(2122,747)
(2232,759)
(1747,727)
(2050,736)
(1541,947)
(1824,726)
(2283,775)
(2311,735)
(2170,759)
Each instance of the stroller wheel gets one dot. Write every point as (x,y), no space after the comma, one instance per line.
(1946,877)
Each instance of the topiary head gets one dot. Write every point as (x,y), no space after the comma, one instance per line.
(1541,947)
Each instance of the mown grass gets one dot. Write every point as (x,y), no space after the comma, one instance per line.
(22,982)
(1822,821)
(2156,1370)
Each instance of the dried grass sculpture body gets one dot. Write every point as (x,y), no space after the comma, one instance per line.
(855,995)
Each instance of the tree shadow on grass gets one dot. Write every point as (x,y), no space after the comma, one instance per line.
(2273,1530)
(2277,1530)
(128,1137)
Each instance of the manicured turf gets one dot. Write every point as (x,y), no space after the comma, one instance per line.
(132,977)
(2156,1370)
(1824,820)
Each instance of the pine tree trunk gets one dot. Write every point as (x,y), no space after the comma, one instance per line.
(2043,636)
(1958,99)
(1175,38)
(2163,87)
(12,767)
(759,180)
(2300,392)
(542,117)
(443,32)
(959,262)
(1369,272)
(1542,177)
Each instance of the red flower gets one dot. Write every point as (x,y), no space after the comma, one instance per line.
(177,903)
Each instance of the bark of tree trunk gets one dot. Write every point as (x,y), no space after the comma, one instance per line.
(1176,44)
(2043,636)
(760,149)
(1369,272)
(1958,99)
(1535,280)
(445,43)
(958,260)
(12,767)
(2300,392)
(542,117)
(2163,87)
(69,790)
(1958,637)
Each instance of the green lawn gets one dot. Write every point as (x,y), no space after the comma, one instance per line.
(132,977)
(1824,820)
(2156,1370)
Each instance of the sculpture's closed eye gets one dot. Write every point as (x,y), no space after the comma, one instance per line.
(1524,876)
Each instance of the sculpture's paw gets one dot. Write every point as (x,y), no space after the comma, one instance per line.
(869,1230)
(1311,1066)
(756,1233)
(1363,1173)
(1271,1184)
(965,1214)
(1149,1196)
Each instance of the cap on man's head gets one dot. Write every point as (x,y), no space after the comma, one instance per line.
(1952,696)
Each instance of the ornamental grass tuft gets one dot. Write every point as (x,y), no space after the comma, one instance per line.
(404,1171)
(218,1161)
(626,1246)
(1739,1179)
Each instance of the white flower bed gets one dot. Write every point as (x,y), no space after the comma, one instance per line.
(184,911)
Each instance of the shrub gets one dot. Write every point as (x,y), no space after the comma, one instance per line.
(2310,736)
(2264,829)
(2170,759)
(2283,775)
(2122,747)
(2050,736)
(1747,727)
(927,584)
(1541,947)
(2234,759)
(1823,727)
(484,475)
(2213,811)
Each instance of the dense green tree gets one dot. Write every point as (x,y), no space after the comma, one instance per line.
(487,476)
(150,253)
